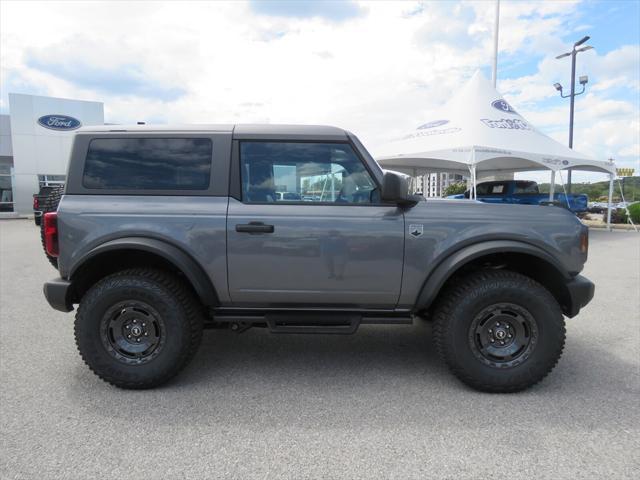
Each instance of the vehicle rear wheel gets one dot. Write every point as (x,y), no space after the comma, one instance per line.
(138,328)
(499,331)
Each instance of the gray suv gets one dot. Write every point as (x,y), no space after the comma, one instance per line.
(164,231)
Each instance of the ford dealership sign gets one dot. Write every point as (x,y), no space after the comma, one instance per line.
(59,122)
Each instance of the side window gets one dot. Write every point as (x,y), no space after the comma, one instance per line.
(483,189)
(148,164)
(498,188)
(526,187)
(282,172)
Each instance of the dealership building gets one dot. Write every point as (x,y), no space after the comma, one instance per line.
(35,142)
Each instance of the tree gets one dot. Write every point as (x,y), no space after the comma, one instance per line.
(455,189)
(599,191)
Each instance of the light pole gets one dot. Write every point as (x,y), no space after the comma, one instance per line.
(583,81)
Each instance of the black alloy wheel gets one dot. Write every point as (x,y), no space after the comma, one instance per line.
(132,332)
(503,335)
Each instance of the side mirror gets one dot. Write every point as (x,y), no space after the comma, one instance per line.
(395,188)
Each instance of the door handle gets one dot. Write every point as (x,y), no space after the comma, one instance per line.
(254,227)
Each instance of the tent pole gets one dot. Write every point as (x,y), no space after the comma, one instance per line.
(472,168)
(415,178)
(473,182)
(552,185)
(610,201)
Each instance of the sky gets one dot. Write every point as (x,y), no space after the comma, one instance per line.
(375,68)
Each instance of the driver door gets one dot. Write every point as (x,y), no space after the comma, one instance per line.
(310,230)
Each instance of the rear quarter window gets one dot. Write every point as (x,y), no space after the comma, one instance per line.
(148,164)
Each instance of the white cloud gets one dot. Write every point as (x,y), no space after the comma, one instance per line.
(605,127)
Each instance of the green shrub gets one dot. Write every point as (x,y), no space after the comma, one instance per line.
(455,189)
(634,211)
(618,215)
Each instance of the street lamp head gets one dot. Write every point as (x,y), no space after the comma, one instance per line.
(558,87)
(581,41)
(563,55)
(584,79)
(585,48)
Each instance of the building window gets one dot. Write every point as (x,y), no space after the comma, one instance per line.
(6,182)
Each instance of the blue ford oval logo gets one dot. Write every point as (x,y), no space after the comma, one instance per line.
(502,106)
(436,123)
(59,122)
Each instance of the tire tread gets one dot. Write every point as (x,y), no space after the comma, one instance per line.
(460,290)
(181,293)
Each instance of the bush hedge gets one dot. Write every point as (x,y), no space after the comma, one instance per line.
(634,212)
(620,215)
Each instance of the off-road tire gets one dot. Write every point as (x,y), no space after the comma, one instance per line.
(467,300)
(50,204)
(178,311)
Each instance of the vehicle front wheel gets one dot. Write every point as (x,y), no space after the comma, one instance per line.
(499,331)
(138,328)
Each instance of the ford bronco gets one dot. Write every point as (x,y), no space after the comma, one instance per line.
(163,231)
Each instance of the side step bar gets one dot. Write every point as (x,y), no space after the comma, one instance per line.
(313,323)
(330,322)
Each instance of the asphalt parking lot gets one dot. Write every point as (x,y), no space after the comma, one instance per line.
(378,404)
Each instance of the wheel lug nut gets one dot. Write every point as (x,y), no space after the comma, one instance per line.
(491,340)
(128,326)
(135,321)
(510,336)
(144,324)
(497,324)
(137,340)
(501,343)
(128,336)
(490,331)
(146,334)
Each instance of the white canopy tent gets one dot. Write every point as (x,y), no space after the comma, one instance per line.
(477,133)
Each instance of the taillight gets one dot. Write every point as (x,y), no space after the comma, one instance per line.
(36,203)
(584,242)
(51,234)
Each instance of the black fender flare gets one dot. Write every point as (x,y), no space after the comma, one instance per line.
(454,261)
(174,255)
